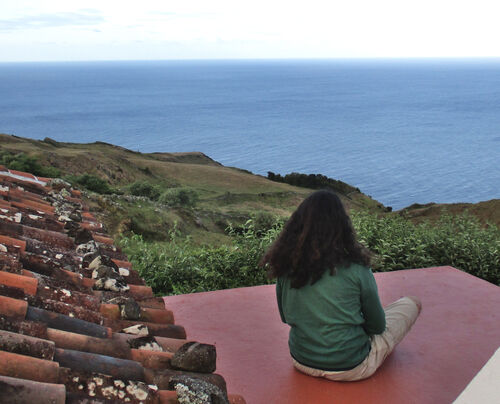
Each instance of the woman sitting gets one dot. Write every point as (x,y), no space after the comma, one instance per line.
(327,294)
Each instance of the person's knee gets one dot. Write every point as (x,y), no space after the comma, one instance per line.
(417,301)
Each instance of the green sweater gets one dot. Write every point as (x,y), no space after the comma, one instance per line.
(331,321)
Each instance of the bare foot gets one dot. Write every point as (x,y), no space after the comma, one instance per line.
(417,301)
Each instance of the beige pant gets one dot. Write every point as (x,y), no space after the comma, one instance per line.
(399,316)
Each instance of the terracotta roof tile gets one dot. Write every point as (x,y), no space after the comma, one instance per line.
(13,242)
(113,346)
(66,323)
(27,284)
(26,182)
(152,359)
(91,362)
(76,193)
(27,391)
(168,397)
(26,345)
(69,333)
(90,225)
(35,206)
(89,216)
(28,367)
(160,330)
(13,308)
(102,239)
(20,194)
(22,174)
(25,327)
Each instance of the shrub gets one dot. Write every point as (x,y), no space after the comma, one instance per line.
(30,164)
(264,221)
(180,266)
(91,182)
(146,170)
(179,197)
(144,188)
(313,181)
(459,241)
(260,222)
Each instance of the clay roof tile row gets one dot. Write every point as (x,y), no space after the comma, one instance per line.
(77,323)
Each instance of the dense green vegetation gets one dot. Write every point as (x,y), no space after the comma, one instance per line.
(145,188)
(185,197)
(181,266)
(30,164)
(313,181)
(90,182)
(459,241)
(320,181)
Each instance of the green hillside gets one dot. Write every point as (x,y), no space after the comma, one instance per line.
(223,194)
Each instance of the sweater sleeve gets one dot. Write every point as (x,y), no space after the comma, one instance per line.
(279,292)
(370,305)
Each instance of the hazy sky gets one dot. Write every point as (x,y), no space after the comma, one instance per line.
(198,29)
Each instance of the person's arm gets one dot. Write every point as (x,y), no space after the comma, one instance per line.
(370,305)
(279,291)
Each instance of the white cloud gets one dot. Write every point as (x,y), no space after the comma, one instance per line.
(236,28)
(61,19)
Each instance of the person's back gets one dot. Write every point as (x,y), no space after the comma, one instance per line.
(332,319)
(326,292)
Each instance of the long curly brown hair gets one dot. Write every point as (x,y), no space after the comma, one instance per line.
(318,236)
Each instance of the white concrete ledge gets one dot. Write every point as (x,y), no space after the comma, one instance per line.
(485,387)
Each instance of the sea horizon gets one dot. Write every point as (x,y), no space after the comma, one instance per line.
(471,59)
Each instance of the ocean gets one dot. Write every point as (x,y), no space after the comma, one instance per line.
(403,131)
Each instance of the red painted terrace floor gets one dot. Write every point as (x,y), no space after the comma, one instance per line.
(455,335)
